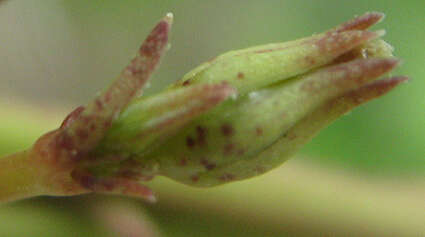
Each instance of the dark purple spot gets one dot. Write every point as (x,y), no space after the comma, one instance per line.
(108,184)
(88,181)
(186,83)
(190,142)
(227,130)
(204,162)
(93,127)
(259,131)
(210,166)
(202,133)
(194,178)
(207,164)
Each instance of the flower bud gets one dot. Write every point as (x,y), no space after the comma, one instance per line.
(286,93)
(234,117)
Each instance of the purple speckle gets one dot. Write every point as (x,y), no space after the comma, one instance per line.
(227,130)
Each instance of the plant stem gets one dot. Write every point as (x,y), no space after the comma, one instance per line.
(18,178)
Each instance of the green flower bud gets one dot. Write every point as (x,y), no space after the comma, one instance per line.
(280,86)
(234,117)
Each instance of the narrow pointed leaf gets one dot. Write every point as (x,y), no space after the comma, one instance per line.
(92,123)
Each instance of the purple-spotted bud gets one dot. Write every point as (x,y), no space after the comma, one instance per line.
(286,93)
(234,117)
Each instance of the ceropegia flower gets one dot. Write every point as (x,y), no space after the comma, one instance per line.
(233,117)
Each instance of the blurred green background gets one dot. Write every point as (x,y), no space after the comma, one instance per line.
(362,176)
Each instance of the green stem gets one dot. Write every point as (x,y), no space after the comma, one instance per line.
(18,178)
